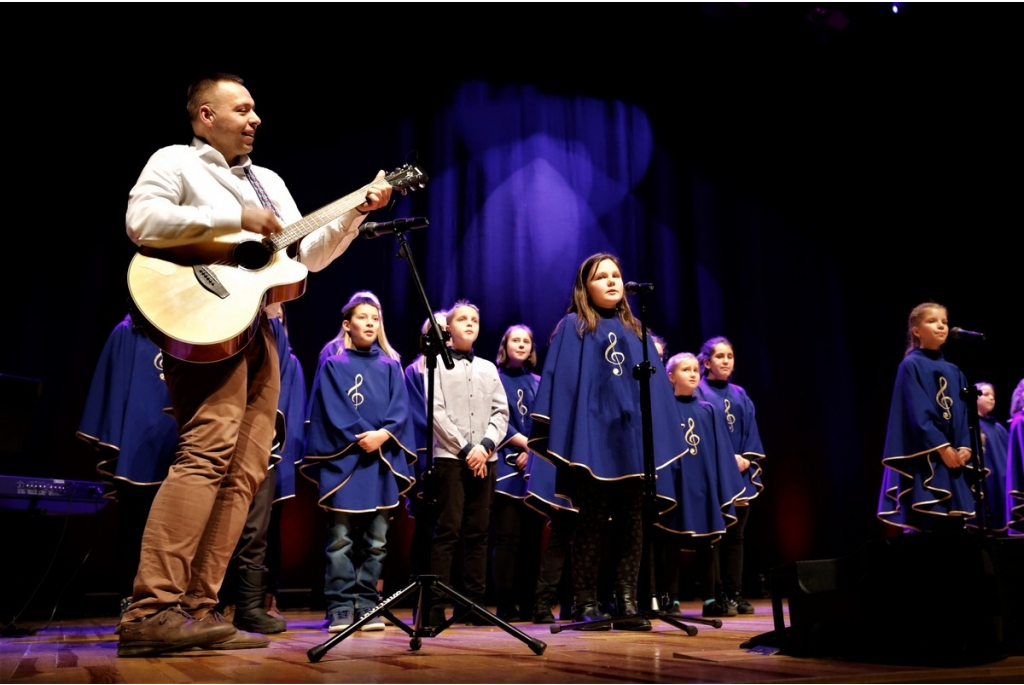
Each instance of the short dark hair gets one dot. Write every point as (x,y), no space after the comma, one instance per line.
(199,90)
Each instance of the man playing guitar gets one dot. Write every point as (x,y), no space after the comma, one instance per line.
(187,198)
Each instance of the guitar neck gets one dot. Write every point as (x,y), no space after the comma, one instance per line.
(295,232)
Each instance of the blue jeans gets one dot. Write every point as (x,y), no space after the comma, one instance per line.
(355,557)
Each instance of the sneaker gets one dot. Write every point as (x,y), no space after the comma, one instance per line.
(375,623)
(169,630)
(717,608)
(673,609)
(339,619)
(741,605)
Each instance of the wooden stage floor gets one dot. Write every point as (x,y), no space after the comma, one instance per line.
(85,651)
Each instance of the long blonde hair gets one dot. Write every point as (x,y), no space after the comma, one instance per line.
(344,341)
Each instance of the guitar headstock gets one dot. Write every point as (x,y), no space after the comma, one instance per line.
(406,178)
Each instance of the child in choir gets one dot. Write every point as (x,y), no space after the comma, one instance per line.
(360,452)
(717,363)
(587,418)
(927,444)
(515,527)
(993,449)
(470,420)
(707,486)
(1015,462)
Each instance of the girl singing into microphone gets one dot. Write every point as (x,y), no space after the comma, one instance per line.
(927,445)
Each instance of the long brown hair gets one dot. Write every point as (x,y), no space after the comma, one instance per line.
(584,308)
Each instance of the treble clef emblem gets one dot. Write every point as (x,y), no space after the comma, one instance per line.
(613,356)
(730,418)
(692,439)
(944,400)
(158,363)
(353,392)
(519,403)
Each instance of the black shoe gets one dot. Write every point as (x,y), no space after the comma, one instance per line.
(542,614)
(587,612)
(436,618)
(741,605)
(625,603)
(717,608)
(508,614)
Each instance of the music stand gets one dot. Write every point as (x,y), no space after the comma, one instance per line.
(432,345)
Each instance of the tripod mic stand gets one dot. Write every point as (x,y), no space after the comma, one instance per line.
(427,585)
(652,610)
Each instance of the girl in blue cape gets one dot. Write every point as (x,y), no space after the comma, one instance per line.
(717,361)
(359,451)
(994,449)
(706,484)
(515,527)
(927,445)
(587,419)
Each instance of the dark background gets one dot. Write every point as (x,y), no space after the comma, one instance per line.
(858,162)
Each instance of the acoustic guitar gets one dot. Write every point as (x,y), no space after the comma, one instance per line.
(202,302)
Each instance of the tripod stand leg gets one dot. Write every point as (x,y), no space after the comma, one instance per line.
(537,646)
(316,653)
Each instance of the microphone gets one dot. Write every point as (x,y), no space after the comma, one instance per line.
(372,229)
(634,287)
(958,332)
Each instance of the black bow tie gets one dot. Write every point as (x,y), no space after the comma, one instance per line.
(458,354)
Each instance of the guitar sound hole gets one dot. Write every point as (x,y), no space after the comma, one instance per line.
(251,254)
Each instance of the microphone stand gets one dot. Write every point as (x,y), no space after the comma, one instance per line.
(652,610)
(969,395)
(433,345)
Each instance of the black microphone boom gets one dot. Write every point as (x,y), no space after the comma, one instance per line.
(372,229)
(958,332)
(634,287)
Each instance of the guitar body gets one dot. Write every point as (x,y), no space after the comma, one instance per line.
(190,319)
(202,303)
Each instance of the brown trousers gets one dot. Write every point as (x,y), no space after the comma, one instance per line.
(225,413)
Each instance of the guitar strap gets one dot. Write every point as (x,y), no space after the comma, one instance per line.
(260,192)
(265,201)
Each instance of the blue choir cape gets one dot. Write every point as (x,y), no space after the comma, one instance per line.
(354,392)
(706,482)
(289,437)
(587,412)
(926,413)
(995,447)
(126,415)
(520,390)
(1015,474)
(415,385)
(737,409)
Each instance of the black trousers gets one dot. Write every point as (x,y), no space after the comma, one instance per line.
(463,516)
(515,552)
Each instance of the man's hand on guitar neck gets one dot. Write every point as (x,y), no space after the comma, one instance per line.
(260,220)
(378,194)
